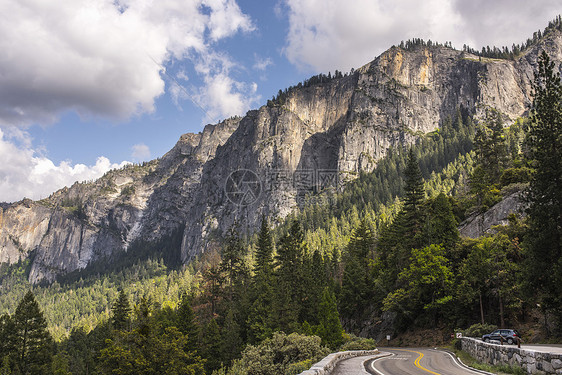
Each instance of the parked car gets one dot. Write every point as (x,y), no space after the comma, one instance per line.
(511,336)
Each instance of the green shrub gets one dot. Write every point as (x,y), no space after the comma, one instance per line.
(515,175)
(281,354)
(477,330)
(297,368)
(358,343)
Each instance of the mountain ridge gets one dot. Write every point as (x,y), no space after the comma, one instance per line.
(343,125)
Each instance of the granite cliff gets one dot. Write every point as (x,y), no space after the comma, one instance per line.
(318,137)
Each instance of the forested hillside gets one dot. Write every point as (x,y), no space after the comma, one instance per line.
(383,256)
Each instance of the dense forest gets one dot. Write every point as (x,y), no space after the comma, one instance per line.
(386,249)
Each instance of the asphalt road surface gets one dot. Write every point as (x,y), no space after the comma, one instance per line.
(404,362)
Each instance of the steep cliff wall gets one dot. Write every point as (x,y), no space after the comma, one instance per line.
(319,136)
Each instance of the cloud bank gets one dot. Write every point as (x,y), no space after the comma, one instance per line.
(103,57)
(25,173)
(329,34)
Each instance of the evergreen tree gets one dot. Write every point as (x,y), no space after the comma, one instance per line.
(121,312)
(260,319)
(32,341)
(169,353)
(146,351)
(83,348)
(264,251)
(414,195)
(289,278)
(491,157)
(212,346)
(313,283)
(544,145)
(474,274)
(357,281)
(186,322)
(232,263)
(440,223)
(397,239)
(329,328)
(231,342)
(143,321)
(7,332)
(213,286)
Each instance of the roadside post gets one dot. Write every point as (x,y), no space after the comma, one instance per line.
(387,340)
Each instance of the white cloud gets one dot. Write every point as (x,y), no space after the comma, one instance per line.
(100,57)
(225,97)
(330,34)
(262,63)
(226,19)
(140,152)
(503,22)
(24,173)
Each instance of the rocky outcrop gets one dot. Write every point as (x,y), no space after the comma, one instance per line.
(318,137)
(96,220)
(479,224)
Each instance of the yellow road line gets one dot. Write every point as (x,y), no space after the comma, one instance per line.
(417,361)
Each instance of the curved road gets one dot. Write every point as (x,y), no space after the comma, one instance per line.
(400,361)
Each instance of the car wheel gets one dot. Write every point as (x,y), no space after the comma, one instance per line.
(510,341)
(486,340)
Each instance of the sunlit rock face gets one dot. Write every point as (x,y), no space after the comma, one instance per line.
(319,136)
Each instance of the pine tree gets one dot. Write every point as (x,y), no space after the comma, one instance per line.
(231,342)
(169,353)
(143,314)
(289,278)
(313,283)
(32,341)
(7,331)
(260,319)
(544,144)
(212,346)
(357,281)
(440,225)
(186,322)
(232,263)
(414,195)
(329,328)
(121,312)
(491,158)
(213,286)
(264,251)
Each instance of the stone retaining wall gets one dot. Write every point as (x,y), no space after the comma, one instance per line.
(532,361)
(328,363)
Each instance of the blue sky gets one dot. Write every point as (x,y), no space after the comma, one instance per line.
(87,85)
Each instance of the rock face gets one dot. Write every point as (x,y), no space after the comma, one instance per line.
(319,136)
(479,224)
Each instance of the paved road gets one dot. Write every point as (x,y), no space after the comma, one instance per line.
(404,362)
(352,366)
